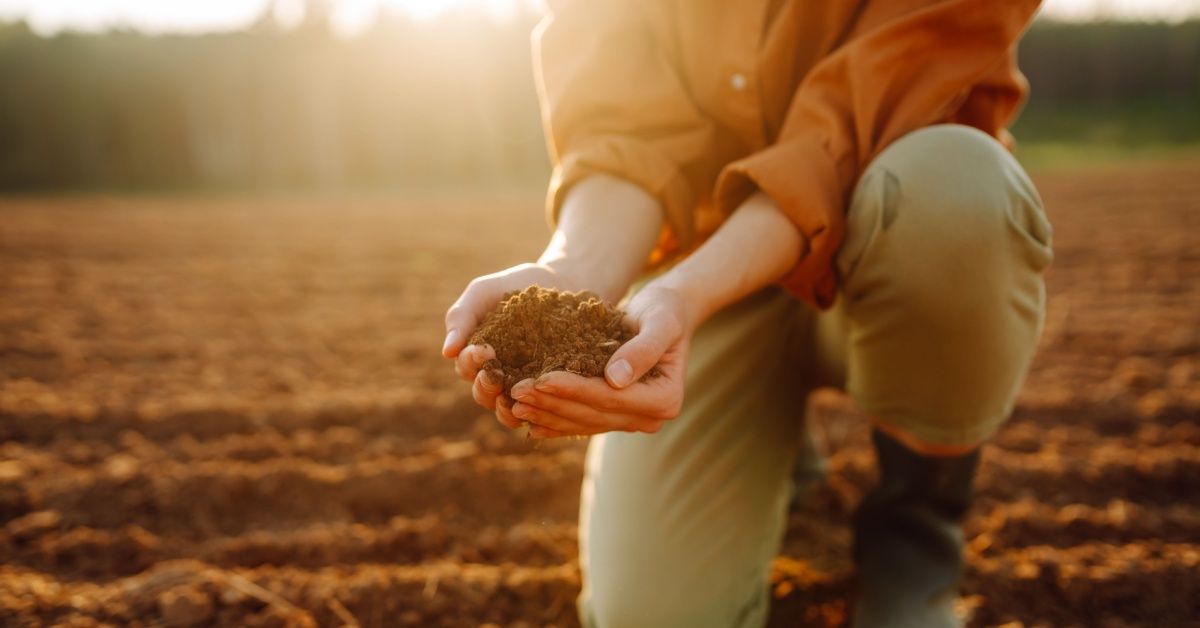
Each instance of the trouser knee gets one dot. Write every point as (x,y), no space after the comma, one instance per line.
(942,275)
(949,207)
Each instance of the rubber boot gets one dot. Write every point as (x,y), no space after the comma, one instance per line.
(908,543)
(809,470)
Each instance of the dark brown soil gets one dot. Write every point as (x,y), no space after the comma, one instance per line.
(538,330)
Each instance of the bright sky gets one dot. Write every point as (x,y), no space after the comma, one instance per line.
(352,16)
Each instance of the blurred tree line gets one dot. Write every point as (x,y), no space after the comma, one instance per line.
(417,102)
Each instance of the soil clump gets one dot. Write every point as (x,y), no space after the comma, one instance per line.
(538,330)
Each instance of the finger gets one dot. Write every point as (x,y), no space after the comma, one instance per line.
(525,412)
(635,358)
(542,433)
(485,391)
(504,413)
(455,340)
(461,320)
(606,422)
(472,359)
(657,397)
(467,363)
(464,315)
(572,411)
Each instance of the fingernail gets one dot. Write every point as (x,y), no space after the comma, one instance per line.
(521,392)
(489,381)
(545,387)
(520,411)
(451,340)
(619,373)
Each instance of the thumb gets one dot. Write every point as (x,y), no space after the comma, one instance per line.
(464,316)
(636,357)
(459,325)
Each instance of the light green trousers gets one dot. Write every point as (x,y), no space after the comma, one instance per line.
(940,309)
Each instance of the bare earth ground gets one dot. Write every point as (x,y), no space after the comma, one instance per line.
(233,412)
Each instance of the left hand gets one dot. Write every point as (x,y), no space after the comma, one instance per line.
(565,404)
(480,297)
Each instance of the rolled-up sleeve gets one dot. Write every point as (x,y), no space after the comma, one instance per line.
(902,67)
(613,103)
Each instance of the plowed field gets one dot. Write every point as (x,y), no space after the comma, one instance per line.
(233,412)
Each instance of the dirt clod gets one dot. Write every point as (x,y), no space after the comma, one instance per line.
(185,606)
(538,330)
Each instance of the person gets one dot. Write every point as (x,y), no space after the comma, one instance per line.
(794,194)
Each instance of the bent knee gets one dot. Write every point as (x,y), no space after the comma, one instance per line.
(969,187)
(945,206)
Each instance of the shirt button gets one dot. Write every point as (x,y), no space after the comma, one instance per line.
(738,82)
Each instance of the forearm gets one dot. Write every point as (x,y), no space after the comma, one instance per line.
(606,230)
(755,247)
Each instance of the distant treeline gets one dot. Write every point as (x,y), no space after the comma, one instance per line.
(410,103)
(1107,62)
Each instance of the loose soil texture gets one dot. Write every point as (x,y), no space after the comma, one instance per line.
(233,412)
(538,330)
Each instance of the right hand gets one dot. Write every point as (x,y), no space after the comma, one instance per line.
(479,298)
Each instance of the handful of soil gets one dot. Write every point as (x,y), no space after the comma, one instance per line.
(538,330)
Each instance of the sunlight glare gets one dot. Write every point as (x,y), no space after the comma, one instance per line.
(352,17)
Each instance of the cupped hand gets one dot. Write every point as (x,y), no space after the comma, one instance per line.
(464,316)
(564,404)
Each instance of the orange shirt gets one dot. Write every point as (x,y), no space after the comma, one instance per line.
(703,102)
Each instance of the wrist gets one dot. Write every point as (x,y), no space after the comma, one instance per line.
(756,246)
(694,299)
(575,275)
